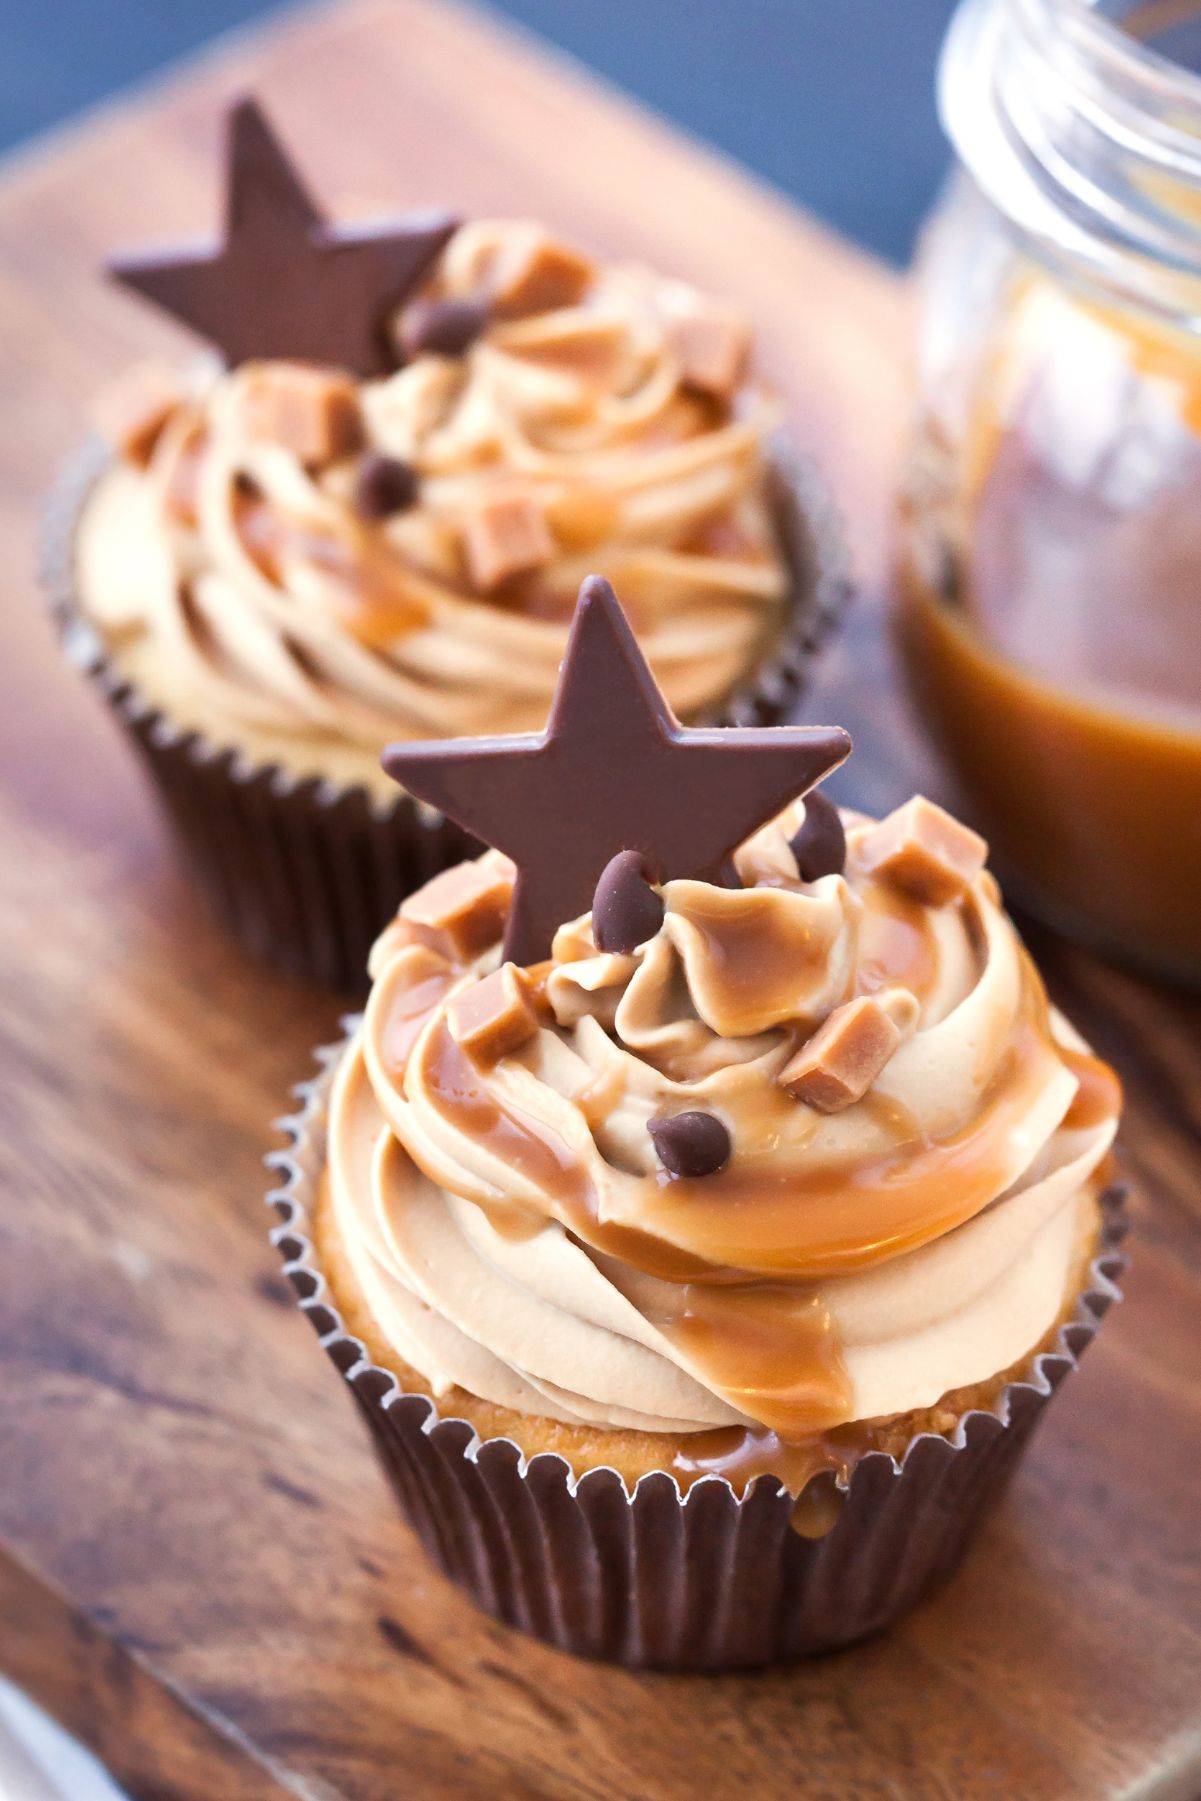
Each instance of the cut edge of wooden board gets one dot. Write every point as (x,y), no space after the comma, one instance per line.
(112,1699)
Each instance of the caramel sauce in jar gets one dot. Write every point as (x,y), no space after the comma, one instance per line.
(1049,614)
(1061,674)
(1048,568)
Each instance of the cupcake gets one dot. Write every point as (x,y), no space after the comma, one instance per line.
(709,1199)
(368,515)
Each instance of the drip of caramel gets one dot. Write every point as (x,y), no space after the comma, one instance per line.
(815,1468)
(760,962)
(769,1348)
(1098,1096)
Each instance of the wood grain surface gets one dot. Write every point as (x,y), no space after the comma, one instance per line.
(200,1568)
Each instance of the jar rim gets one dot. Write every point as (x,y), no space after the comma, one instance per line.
(1123,55)
(1084,137)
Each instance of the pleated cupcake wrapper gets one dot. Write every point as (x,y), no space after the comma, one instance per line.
(304,872)
(704,1579)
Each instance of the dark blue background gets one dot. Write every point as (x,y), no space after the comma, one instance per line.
(831,101)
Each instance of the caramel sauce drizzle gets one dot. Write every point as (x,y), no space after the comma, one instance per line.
(366,579)
(1098,1096)
(770,1347)
(453,1085)
(408,1012)
(741,948)
(896,944)
(775,1215)
(182,483)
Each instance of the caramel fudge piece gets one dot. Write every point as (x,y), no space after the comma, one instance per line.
(131,415)
(312,412)
(922,851)
(506,534)
(712,344)
(538,275)
(494,1017)
(838,1065)
(464,908)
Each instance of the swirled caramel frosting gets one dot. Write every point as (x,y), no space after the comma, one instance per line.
(305,565)
(914,1138)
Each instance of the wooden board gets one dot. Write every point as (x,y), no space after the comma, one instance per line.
(200,1570)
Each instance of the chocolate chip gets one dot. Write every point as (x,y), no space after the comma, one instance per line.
(820,845)
(626,911)
(443,327)
(690,1144)
(947,578)
(383,485)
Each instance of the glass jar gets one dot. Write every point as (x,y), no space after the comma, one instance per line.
(1049,551)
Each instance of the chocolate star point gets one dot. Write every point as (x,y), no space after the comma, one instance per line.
(613,771)
(282,281)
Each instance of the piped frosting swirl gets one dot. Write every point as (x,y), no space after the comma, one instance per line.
(602,431)
(517,1235)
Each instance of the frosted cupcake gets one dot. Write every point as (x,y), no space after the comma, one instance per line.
(369,518)
(703,1254)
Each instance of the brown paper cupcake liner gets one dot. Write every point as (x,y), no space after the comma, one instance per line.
(305,873)
(657,1578)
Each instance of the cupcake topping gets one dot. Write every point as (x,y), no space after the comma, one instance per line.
(713,345)
(778,1157)
(283,281)
(614,771)
(812,1152)
(531,273)
(505,534)
(463,910)
(557,416)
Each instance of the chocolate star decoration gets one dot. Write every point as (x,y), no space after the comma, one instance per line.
(282,281)
(613,771)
